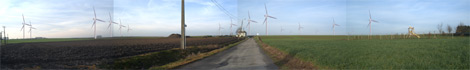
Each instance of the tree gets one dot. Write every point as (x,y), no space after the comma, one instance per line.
(439,28)
(449,28)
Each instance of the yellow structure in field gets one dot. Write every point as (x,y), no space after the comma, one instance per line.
(411,31)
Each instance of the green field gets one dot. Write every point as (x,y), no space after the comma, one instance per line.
(336,52)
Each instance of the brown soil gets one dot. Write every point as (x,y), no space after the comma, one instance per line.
(76,54)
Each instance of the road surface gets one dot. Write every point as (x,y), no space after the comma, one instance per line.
(245,56)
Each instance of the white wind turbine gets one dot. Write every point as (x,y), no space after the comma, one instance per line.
(128,28)
(249,20)
(94,23)
(220,27)
(31,30)
(300,27)
(111,22)
(266,18)
(23,28)
(120,27)
(282,28)
(370,24)
(334,24)
(231,24)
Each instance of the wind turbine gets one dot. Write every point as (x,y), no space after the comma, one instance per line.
(94,23)
(266,18)
(23,28)
(120,27)
(370,24)
(128,28)
(249,20)
(282,28)
(231,24)
(300,27)
(334,24)
(220,29)
(111,22)
(31,30)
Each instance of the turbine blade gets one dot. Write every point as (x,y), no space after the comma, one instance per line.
(334,21)
(265,8)
(375,21)
(22,28)
(249,15)
(94,24)
(109,26)
(100,20)
(94,12)
(252,21)
(272,17)
(370,17)
(23,20)
(265,19)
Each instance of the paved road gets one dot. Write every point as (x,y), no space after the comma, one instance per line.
(245,56)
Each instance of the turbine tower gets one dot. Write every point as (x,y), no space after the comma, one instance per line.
(120,27)
(334,24)
(300,27)
(370,24)
(231,24)
(94,23)
(266,18)
(31,30)
(249,25)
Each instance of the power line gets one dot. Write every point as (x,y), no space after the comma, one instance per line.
(221,8)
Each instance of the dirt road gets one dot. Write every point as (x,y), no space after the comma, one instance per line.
(245,56)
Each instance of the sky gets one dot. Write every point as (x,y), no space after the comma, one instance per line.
(74,18)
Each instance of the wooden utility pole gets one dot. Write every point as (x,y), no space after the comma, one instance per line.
(183,26)
(5,36)
(1,39)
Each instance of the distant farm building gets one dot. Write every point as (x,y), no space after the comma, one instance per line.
(40,38)
(176,36)
(241,33)
(99,36)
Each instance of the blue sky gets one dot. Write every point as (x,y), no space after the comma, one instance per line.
(73,18)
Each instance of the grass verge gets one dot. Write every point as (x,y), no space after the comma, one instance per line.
(284,61)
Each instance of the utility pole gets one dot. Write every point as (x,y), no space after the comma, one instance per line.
(183,26)
(1,39)
(5,36)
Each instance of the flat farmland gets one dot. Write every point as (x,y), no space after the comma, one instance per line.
(70,54)
(45,40)
(336,52)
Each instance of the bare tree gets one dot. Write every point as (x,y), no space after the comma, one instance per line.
(449,28)
(439,28)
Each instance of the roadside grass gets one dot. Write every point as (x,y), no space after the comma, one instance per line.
(335,52)
(167,59)
(285,61)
